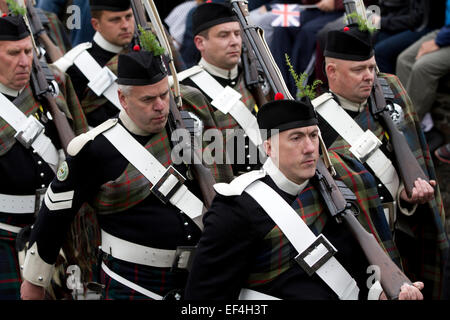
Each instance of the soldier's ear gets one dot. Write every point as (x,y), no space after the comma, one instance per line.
(199,42)
(267,147)
(95,24)
(330,70)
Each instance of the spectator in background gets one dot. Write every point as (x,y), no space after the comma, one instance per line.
(79,33)
(402,23)
(299,42)
(420,68)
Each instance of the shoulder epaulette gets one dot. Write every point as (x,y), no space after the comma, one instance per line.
(239,184)
(78,142)
(66,61)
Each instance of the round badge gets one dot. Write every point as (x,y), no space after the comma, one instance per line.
(63,171)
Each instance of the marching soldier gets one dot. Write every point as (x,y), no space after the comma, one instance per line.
(352,129)
(255,245)
(31,149)
(149,208)
(217,35)
(92,66)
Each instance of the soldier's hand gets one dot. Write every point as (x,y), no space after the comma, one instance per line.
(421,193)
(29,291)
(411,292)
(408,292)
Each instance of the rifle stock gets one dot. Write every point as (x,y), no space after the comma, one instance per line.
(53,51)
(42,90)
(391,277)
(407,164)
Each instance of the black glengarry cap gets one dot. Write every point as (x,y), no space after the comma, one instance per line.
(286,114)
(140,68)
(349,43)
(110,5)
(13,28)
(208,15)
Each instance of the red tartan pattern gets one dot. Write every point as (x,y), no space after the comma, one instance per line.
(132,187)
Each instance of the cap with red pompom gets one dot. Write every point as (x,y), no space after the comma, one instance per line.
(13,28)
(140,68)
(350,44)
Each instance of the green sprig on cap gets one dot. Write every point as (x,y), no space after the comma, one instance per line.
(15,8)
(149,42)
(308,90)
(362,23)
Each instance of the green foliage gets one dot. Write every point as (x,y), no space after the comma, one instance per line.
(362,23)
(149,42)
(308,91)
(15,8)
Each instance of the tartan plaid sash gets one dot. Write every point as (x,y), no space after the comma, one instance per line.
(131,187)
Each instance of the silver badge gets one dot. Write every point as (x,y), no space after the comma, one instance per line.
(396,113)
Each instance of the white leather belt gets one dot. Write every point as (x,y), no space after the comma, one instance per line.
(228,100)
(22,124)
(351,132)
(166,181)
(16,204)
(313,251)
(139,254)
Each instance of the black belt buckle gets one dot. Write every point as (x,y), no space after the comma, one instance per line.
(183,258)
(171,171)
(300,258)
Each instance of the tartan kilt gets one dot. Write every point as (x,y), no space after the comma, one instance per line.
(157,280)
(10,279)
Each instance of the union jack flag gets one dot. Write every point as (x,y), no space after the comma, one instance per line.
(288,15)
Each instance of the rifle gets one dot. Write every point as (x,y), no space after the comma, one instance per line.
(39,32)
(407,164)
(45,93)
(253,79)
(202,174)
(392,278)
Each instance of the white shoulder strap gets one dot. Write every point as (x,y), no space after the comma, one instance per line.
(315,253)
(30,132)
(364,144)
(228,100)
(238,185)
(167,183)
(101,80)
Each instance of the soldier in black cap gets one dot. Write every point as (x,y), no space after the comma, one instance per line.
(252,234)
(149,207)
(217,35)
(351,70)
(114,24)
(30,148)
